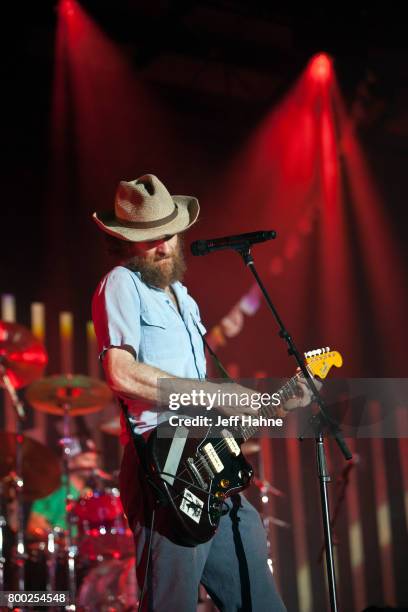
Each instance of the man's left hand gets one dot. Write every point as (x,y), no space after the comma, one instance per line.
(303,396)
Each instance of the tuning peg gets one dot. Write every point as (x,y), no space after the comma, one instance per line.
(328,349)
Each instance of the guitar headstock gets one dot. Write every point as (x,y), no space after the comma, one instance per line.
(320,361)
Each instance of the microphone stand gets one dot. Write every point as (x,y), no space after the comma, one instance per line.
(344,481)
(319,422)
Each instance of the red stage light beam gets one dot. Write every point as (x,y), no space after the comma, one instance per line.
(321,68)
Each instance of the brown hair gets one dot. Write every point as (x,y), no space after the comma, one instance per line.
(117,248)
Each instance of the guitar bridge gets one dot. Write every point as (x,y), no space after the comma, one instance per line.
(206,466)
(193,469)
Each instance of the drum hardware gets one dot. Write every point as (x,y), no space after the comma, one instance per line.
(40,472)
(22,360)
(71,548)
(46,564)
(110,585)
(103,541)
(52,548)
(40,475)
(69,395)
(265,489)
(3,525)
(20,556)
(30,470)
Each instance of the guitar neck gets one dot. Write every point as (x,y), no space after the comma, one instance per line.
(286,392)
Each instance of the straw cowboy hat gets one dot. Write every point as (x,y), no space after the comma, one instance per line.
(144,210)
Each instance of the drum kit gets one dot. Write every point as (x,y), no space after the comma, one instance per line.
(97,541)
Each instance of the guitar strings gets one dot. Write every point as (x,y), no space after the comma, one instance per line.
(221,446)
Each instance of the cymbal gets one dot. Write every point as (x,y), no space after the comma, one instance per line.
(21,354)
(41,466)
(249,447)
(112,426)
(80,394)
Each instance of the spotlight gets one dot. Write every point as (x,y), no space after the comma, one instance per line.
(67,8)
(321,67)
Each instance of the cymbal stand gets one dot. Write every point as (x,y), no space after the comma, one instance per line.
(3,524)
(20,555)
(70,545)
(265,489)
(51,561)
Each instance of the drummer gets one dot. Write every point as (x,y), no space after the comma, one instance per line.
(50,512)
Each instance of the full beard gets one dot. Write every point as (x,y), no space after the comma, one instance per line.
(162,272)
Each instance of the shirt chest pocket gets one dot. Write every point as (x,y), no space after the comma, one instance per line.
(153,318)
(156,336)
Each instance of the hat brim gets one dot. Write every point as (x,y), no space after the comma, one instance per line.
(188,210)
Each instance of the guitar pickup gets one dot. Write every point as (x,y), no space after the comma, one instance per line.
(212,457)
(230,442)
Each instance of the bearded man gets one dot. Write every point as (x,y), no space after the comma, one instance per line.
(148,327)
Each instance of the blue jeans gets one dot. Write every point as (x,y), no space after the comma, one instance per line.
(232,566)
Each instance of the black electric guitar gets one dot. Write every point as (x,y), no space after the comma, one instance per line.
(195,474)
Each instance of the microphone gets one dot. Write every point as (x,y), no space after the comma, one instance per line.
(238,242)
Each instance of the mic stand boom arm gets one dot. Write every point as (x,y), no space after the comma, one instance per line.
(321,421)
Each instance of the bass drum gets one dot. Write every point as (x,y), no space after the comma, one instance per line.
(103,532)
(111,585)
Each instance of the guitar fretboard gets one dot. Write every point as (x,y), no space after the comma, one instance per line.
(286,392)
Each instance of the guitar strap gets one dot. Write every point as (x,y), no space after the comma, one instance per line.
(137,439)
(217,362)
(140,446)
